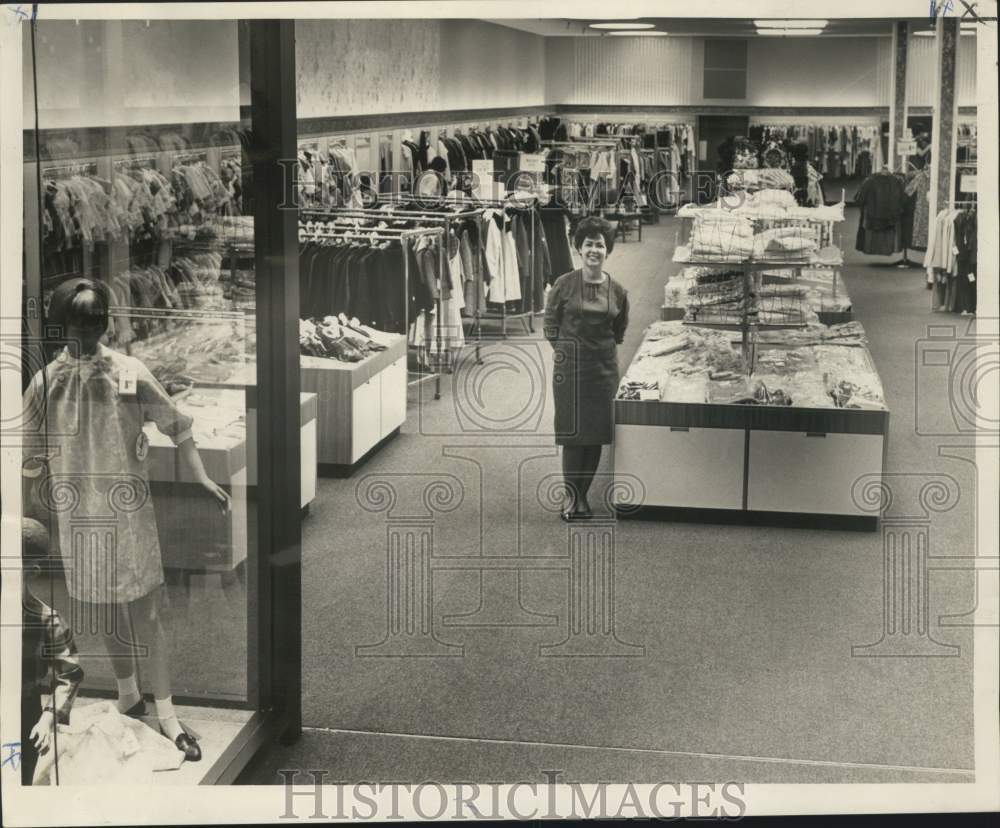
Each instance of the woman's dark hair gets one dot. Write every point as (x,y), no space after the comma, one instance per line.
(438,164)
(594,226)
(83,303)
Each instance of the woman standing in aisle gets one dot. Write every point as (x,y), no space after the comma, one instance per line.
(586,315)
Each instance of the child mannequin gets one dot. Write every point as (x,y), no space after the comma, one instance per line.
(93,402)
(47,645)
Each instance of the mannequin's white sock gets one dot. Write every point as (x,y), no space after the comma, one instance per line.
(128,693)
(168,718)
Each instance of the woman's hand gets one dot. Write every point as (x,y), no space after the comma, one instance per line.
(216,491)
(41,733)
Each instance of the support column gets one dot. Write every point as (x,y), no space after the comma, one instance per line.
(945,114)
(278,576)
(897,95)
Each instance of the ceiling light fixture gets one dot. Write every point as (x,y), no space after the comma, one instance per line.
(790,24)
(966,28)
(622,26)
(790,32)
(637,34)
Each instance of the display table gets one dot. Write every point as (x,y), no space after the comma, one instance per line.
(683,450)
(361,405)
(625,221)
(194,534)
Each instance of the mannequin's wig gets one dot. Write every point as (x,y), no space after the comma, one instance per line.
(81,303)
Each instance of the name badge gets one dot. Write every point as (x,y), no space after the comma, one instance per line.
(141,446)
(127,382)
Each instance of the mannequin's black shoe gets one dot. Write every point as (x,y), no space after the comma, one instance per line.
(186,744)
(137,710)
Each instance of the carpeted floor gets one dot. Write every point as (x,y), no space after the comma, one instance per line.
(740,665)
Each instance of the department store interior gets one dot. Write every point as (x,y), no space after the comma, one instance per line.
(330,251)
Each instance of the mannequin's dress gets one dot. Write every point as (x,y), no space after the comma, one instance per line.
(88,413)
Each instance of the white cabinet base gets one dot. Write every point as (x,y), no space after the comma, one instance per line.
(810,473)
(682,467)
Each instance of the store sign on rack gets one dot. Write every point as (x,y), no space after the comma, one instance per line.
(482,178)
(906,147)
(532,171)
(532,162)
(967,183)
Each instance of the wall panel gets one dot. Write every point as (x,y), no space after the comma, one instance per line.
(793,72)
(922,67)
(625,71)
(356,67)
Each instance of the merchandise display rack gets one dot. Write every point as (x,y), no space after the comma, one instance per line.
(352,231)
(518,203)
(760,464)
(362,405)
(442,219)
(476,203)
(824,228)
(831,303)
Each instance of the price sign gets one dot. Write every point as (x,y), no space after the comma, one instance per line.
(904,147)
(967,184)
(482,178)
(532,162)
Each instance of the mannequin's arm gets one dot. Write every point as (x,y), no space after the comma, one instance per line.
(192,459)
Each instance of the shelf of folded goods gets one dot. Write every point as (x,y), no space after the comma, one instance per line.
(824,299)
(697,437)
(832,258)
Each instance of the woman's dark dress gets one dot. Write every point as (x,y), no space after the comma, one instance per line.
(584,322)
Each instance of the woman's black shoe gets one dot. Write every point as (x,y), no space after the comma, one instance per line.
(186,744)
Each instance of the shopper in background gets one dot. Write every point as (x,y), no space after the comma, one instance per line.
(432,182)
(800,172)
(586,315)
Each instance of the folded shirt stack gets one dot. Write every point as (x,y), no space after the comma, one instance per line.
(722,235)
(790,242)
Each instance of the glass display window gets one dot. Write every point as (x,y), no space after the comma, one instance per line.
(152,502)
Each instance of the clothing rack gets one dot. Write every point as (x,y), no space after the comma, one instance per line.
(481,204)
(69,170)
(404,237)
(503,316)
(181,159)
(442,219)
